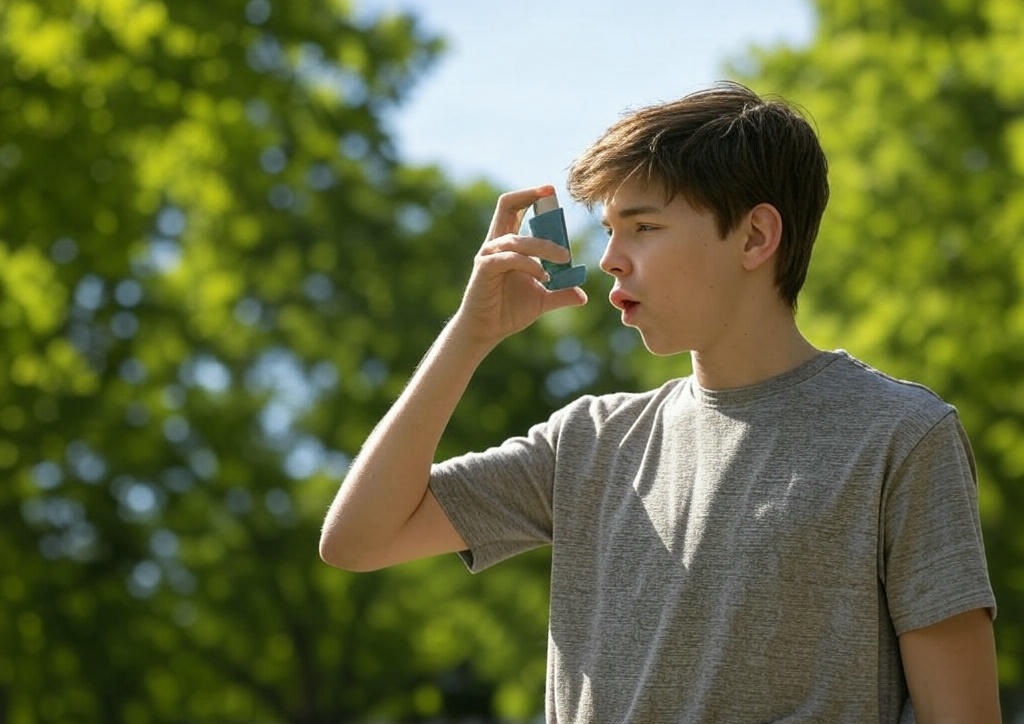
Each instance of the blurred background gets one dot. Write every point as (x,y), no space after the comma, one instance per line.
(228,232)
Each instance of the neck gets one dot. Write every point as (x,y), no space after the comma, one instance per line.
(772,345)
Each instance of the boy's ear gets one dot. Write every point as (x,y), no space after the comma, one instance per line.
(764,232)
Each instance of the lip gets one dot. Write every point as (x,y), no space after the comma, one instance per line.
(623,302)
(620,299)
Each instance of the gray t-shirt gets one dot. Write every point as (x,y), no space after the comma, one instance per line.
(747,555)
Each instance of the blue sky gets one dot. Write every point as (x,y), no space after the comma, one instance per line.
(524,87)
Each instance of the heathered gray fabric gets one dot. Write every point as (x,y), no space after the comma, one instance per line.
(740,556)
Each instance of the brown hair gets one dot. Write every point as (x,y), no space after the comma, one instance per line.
(725,150)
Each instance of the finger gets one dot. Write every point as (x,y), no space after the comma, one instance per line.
(528,245)
(503,262)
(512,206)
(572,297)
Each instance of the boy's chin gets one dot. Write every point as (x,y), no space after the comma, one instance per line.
(662,347)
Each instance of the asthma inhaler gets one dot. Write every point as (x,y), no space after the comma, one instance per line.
(548,222)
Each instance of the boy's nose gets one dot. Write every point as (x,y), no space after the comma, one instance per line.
(612,261)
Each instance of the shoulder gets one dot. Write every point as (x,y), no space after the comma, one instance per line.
(597,413)
(857,387)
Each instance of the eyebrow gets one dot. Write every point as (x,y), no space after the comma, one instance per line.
(631,211)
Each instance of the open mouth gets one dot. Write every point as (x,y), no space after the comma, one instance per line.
(620,300)
(626,304)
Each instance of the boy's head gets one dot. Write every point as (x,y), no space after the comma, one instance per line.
(725,150)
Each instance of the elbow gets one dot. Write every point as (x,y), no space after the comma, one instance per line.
(329,552)
(336,552)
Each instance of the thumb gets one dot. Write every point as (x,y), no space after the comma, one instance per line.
(572,297)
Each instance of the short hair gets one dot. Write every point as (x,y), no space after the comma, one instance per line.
(725,150)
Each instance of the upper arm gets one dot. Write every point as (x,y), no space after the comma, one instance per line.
(427,532)
(950,668)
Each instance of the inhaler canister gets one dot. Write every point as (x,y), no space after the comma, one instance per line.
(548,222)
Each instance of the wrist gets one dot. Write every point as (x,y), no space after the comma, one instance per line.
(469,339)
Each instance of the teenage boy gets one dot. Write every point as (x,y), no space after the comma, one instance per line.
(784,535)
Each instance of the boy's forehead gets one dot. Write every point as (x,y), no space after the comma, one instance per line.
(634,196)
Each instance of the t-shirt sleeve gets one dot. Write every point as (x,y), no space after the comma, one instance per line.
(499,500)
(933,557)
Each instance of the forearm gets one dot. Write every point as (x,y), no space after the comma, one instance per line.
(389,477)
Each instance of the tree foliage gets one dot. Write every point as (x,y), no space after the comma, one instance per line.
(215,276)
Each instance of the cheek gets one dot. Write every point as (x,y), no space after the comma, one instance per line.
(691,277)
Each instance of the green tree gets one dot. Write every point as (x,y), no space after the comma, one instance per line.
(918,269)
(215,276)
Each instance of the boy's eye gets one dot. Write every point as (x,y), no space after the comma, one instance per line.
(639,227)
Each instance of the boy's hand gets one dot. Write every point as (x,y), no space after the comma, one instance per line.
(505,293)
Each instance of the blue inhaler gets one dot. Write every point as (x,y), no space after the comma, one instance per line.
(548,222)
